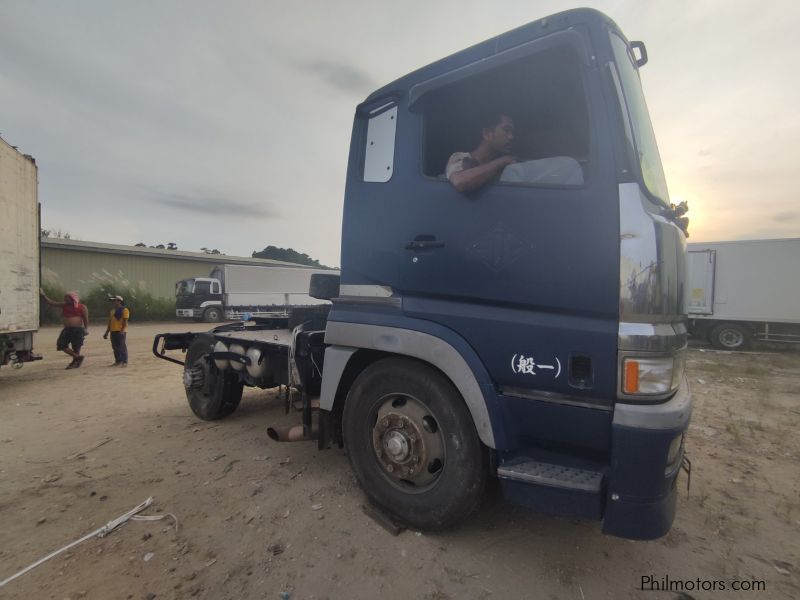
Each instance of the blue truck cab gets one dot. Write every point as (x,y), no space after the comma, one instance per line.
(531,330)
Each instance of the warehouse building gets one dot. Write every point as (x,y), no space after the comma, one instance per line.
(86,266)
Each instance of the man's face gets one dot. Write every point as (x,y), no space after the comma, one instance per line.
(501,138)
(68,300)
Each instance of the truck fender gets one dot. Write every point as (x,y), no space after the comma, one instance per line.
(208,303)
(347,338)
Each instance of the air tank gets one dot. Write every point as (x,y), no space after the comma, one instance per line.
(221,363)
(258,363)
(237,349)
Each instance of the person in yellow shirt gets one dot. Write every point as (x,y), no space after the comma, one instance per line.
(118,328)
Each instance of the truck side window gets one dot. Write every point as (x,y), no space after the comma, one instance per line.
(379,151)
(215,288)
(544,95)
(202,287)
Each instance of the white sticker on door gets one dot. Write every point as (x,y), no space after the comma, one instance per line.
(526,365)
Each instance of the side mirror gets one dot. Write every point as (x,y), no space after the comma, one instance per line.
(324,286)
(640,60)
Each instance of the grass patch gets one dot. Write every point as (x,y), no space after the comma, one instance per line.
(142,305)
(733,428)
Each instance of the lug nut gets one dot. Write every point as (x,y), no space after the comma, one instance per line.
(390,468)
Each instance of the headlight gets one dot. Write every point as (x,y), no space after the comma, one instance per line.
(652,376)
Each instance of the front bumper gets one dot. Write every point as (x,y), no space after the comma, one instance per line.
(642,482)
(185,313)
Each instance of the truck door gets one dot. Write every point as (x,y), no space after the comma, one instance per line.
(526,272)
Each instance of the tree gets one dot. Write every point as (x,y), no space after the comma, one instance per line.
(168,246)
(288,255)
(55,233)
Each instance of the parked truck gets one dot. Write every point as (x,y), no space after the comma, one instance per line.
(531,331)
(19,256)
(745,290)
(238,291)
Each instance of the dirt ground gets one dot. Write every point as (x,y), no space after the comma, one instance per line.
(261,519)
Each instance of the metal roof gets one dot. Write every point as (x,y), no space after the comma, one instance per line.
(83,246)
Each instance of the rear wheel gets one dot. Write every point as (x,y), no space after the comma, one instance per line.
(730,336)
(413,445)
(212,394)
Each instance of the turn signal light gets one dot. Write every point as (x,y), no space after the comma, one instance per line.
(650,376)
(631,377)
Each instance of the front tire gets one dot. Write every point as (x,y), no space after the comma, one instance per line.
(212,394)
(730,336)
(413,445)
(212,314)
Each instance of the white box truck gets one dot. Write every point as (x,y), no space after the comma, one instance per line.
(238,292)
(743,290)
(19,256)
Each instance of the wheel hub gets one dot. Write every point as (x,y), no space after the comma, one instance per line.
(193,378)
(731,338)
(397,446)
(404,444)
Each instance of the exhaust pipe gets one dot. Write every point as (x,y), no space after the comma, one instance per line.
(293,433)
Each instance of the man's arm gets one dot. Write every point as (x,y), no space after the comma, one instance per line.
(85,317)
(475,177)
(47,300)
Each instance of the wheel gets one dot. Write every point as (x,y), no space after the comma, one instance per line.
(730,336)
(412,444)
(212,394)
(213,314)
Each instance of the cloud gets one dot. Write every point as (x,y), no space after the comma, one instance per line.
(344,77)
(213,205)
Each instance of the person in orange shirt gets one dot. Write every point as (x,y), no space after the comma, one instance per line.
(118,328)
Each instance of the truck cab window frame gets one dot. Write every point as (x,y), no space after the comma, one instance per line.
(638,126)
(541,132)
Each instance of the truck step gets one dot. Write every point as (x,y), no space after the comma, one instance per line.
(527,470)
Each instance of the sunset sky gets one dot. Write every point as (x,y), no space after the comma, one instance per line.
(227,125)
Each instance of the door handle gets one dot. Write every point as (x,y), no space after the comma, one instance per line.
(424,244)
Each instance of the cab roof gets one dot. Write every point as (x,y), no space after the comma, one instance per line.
(505,41)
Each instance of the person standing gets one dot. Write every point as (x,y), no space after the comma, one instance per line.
(118,328)
(75,318)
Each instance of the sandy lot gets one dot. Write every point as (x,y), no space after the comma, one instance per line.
(259,518)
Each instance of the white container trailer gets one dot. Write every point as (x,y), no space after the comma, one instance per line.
(19,256)
(743,290)
(241,291)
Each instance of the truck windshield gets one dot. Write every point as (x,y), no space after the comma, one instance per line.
(644,138)
(182,288)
